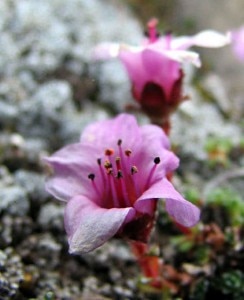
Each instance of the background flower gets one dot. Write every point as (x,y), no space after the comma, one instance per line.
(237,37)
(155,67)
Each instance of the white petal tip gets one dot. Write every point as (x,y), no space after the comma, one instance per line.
(211,39)
(106,51)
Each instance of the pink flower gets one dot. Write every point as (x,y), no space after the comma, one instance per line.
(154,68)
(111,180)
(237,37)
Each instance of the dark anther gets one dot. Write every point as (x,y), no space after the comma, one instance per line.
(91,176)
(157,160)
(107,165)
(110,171)
(109,152)
(119,142)
(119,174)
(128,152)
(133,170)
(99,161)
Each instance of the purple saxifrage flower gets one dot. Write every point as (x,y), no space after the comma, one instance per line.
(155,67)
(111,180)
(237,38)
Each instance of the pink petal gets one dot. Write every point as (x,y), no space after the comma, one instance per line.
(184,212)
(158,143)
(122,127)
(132,61)
(71,165)
(160,69)
(238,42)
(89,226)
(154,134)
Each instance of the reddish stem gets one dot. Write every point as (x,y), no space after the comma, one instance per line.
(150,264)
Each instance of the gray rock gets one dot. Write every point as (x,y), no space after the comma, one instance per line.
(38,38)
(33,183)
(6,178)
(16,151)
(11,273)
(197,119)
(195,122)
(14,200)
(8,114)
(42,119)
(14,229)
(51,216)
(115,86)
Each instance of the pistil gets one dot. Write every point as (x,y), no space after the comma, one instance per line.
(152,31)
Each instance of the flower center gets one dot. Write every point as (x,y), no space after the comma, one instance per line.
(121,182)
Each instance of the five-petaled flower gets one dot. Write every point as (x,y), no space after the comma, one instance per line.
(155,67)
(111,181)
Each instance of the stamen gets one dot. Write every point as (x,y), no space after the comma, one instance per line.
(119,142)
(99,162)
(121,154)
(128,152)
(156,162)
(108,165)
(92,177)
(133,170)
(119,174)
(113,189)
(122,190)
(109,151)
(110,171)
(118,163)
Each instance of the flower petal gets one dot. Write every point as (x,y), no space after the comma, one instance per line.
(184,212)
(206,38)
(211,39)
(132,61)
(237,37)
(154,135)
(122,127)
(89,226)
(182,56)
(71,165)
(105,51)
(162,68)
(159,144)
